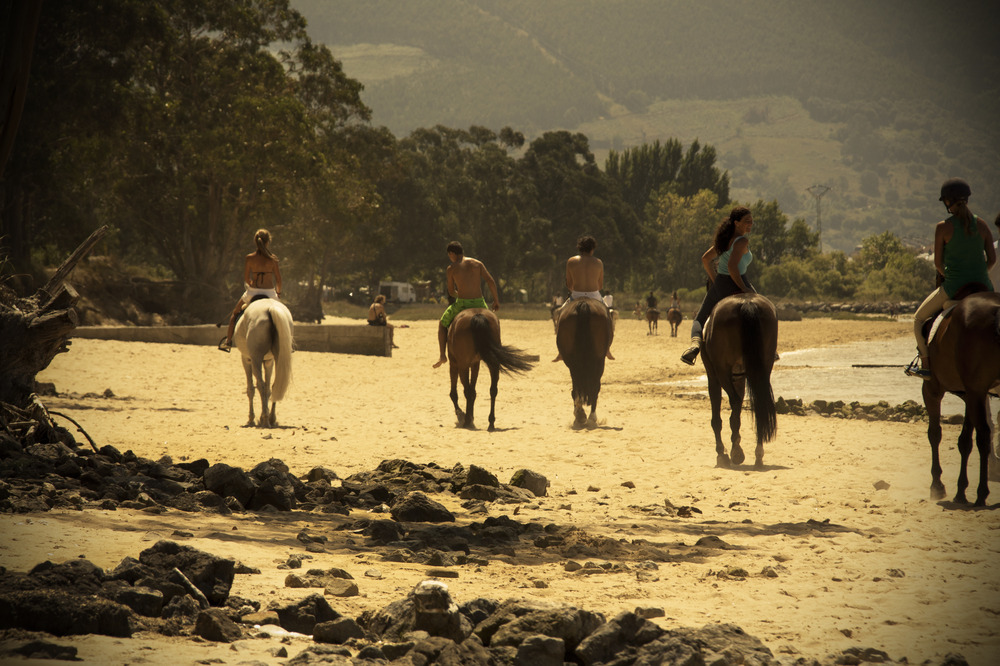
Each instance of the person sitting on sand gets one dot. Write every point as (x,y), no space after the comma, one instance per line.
(378,317)
(465,283)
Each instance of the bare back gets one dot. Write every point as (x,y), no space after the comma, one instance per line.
(261,272)
(465,279)
(584,272)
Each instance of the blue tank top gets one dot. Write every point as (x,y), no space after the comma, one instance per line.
(744,260)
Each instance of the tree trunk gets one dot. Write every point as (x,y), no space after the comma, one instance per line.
(36,328)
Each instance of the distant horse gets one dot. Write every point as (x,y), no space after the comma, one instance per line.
(264,337)
(583,334)
(674,317)
(474,336)
(653,317)
(964,357)
(741,338)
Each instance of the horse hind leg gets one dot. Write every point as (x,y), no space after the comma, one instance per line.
(250,389)
(736,408)
(592,419)
(494,380)
(459,414)
(469,379)
(932,401)
(964,450)
(715,398)
(977,407)
(579,414)
(264,388)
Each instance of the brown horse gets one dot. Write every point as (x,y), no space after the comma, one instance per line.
(741,339)
(653,317)
(583,335)
(964,357)
(674,318)
(474,336)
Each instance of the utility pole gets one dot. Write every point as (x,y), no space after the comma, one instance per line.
(818,191)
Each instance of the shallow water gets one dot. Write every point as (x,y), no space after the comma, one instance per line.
(859,371)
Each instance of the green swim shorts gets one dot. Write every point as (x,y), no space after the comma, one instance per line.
(459,305)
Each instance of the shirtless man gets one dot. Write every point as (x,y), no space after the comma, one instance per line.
(465,284)
(585,279)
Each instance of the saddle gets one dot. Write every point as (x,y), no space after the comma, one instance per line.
(252,299)
(931,326)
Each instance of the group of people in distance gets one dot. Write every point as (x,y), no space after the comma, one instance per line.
(964,254)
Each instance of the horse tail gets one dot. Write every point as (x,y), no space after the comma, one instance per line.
(757,372)
(281,349)
(508,359)
(586,365)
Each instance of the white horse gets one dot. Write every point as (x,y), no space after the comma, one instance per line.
(264,337)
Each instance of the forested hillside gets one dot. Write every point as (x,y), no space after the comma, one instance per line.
(878,101)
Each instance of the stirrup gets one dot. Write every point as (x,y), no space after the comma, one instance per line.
(915,369)
(690,354)
(225,345)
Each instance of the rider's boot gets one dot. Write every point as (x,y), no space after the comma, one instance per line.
(691,353)
(918,368)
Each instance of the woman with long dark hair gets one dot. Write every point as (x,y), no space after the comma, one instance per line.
(732,247)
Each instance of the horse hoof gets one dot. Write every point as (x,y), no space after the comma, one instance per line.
(937,491)
(722,461)
(737,457)
(960,498)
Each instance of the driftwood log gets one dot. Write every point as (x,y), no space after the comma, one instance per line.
(32,331)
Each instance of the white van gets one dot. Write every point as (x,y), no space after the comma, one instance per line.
(397,292)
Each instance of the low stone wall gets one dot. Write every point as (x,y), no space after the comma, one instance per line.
(340,339)
(886,308)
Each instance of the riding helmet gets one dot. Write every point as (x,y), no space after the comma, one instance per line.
(955,189)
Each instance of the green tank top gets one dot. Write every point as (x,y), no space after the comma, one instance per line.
(964,258)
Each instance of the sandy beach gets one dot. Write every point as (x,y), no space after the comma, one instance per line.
(833,544)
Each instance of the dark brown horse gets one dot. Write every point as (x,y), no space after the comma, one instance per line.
(741,339)
(653,317)
(964,357)
(583,335)
(674,318)
(474,336)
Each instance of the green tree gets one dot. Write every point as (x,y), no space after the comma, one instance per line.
(683,228)
(800,240)
(573,197)
(770,235)
(651,169)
